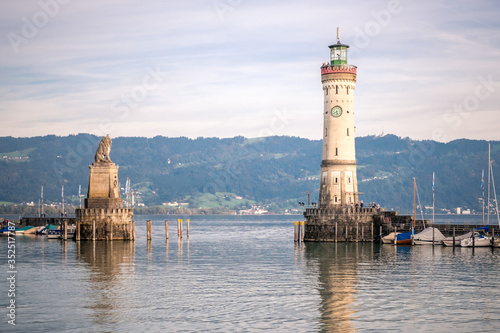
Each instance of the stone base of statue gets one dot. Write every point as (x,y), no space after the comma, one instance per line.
(105,224)
(104,217)
(103,186)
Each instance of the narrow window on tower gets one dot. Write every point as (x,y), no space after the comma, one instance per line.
(336,199)
(337,90)
(326,91)
(336,180)
(348,180)
(326,132)
(336,152)
(347,90)
(347,132)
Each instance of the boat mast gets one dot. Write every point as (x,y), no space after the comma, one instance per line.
(482,187)
(489,177)
(495,194)
(433,199)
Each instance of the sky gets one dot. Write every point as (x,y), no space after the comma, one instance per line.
(223,68)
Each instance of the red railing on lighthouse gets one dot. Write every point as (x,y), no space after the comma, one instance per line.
(329,69)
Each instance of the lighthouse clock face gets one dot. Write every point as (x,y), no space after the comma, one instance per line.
(336,111)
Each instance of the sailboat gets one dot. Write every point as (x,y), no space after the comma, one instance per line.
(406,238)
(477,240)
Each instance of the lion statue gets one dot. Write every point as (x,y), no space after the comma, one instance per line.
(102,153)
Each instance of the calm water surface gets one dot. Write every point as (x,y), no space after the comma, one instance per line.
(246,274)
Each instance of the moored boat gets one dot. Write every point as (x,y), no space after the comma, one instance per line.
(389,239)
(21,231)
(476,240)
(427,236)
(53,234)
(448,241)
(404,238)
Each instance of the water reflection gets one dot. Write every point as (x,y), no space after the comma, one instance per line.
(110,264)
(337,264)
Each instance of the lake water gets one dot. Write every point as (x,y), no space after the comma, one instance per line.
(244,273)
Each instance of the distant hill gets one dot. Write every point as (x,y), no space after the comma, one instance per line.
(239,172)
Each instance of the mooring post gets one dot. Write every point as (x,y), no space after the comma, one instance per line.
(433,234)
(111,230)
(295,233)
(187,227)
(181,227)
(473,239)
(336,229)
(93,229)
(363,233)
(357,232)
(380,234)
(395,235)
(148,227)
(77,236)
(453,236)
(166,229)
(346,231)
(65,229)
(133,230)
(300,231)
(178,227)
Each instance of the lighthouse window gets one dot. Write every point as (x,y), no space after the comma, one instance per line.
(337,90)
(326,91)
(336,152)
(347,90)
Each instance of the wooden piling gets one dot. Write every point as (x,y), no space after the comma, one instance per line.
(395,235)
(346,230)
(363,233)
(453,237)
(357,232)
(65,229)
(178,227)
(336,229)
(93,230)
(77,236)
(187,227)
(148,231)
(133,230)
(380,233)
(111,230)
(295,233)
(166,229)
(303,231)
(181,226)
(300,231)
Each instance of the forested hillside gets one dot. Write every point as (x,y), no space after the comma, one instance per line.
(276,171)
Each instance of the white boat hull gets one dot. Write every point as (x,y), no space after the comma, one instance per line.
(425,242)
(478,242)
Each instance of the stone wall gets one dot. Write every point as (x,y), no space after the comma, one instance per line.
(110,224)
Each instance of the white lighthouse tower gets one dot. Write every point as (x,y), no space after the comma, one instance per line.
(339,185)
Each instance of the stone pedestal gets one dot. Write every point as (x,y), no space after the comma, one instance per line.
(103,186)
(110,224)
(104,217)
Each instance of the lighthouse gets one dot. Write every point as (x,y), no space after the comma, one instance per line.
(339,185)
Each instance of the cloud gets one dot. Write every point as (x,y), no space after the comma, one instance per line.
(225,75)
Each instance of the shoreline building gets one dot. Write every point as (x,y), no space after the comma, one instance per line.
(340,215)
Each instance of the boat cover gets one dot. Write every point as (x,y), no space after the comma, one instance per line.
(403,236)
(426,235)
